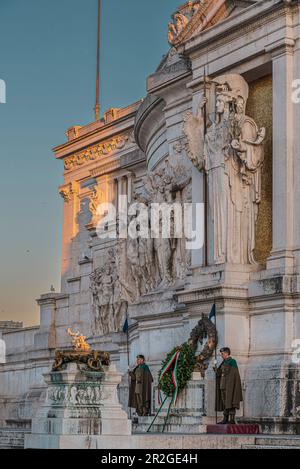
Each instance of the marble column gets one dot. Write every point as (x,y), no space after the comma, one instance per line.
(296,142)
(199,255)
(129,187)
(281,257)
(69,192)
(46,335)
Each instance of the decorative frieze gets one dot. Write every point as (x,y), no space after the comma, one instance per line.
(82,394)
(97,151)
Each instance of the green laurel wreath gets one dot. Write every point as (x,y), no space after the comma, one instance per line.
(186,365)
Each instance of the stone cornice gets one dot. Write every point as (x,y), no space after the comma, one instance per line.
(51,298)
(105,168)
(96,132)
(214,293)
(21,329)
(132,158)
(281,47)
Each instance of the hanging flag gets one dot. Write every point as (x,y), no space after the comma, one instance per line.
(212,313)
(125,327)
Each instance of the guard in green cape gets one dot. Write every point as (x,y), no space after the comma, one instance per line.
(140,387)
(228,388)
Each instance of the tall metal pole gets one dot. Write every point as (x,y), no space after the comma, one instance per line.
(97,105)
(205,191)
(128,357)
(216,363)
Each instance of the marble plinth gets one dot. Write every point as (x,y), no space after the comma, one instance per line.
(79,405)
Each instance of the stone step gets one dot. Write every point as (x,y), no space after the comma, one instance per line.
(180,429)
(173,419)
(268,447)
(12,438)
(17,424)
(176,424)
(284,440)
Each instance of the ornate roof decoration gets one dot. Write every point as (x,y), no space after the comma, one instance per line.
(196,16)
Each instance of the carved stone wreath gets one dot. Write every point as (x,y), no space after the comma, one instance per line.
(204,329)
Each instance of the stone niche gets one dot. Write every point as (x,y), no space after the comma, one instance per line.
(259,107)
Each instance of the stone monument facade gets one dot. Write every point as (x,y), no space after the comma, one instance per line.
(218,127)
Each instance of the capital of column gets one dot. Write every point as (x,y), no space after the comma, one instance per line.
(67,191)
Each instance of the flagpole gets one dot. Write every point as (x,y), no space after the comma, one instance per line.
(97,105)
(205,189)
(128,358)
(216,361)
(213,313)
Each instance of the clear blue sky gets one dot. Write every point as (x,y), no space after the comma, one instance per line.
(47,59)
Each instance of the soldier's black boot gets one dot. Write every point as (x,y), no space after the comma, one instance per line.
(224,421)
(232,419)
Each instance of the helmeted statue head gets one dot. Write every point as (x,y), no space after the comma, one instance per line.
(232,88)
(234,84)
(232,93)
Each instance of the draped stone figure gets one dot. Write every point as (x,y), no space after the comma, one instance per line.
(248,149)
(109,299)
(166,186)
(138,265)
(157,262)
(231,154)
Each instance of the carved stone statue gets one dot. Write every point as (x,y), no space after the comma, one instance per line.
(140,265)
(248,150)
(231,154)
(109,302)
(181,18)
(161,260)
(95,199)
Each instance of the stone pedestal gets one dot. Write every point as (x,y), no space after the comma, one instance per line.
(80,407)
(185,417)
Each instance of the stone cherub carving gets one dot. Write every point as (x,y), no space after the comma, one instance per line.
(231,154)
